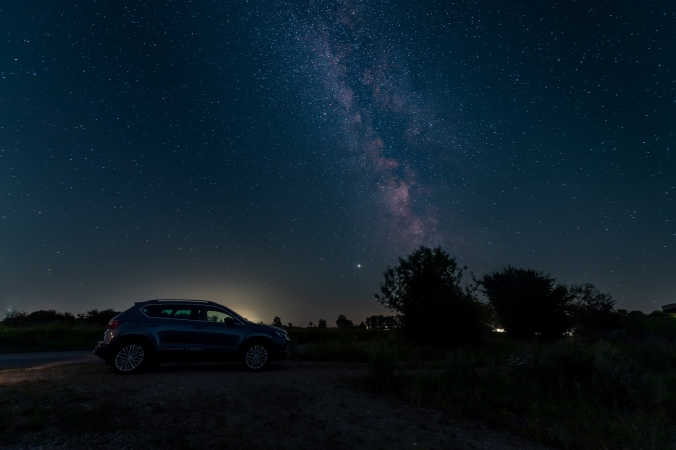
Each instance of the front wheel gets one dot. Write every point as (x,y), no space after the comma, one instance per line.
(256,356)
(130,357)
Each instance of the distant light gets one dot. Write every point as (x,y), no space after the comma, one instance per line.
(359,266)
(499,330)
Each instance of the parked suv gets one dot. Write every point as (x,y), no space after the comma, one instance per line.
(157,330)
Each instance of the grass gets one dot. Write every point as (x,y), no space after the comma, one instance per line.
(334,344)
(618,393)
(570,394)
(49,337)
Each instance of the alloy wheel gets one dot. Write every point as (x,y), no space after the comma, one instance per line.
(256,357)
(129,357)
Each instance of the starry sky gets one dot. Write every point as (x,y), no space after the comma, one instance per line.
(276,156)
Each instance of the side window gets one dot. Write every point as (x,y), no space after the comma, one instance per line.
(182,313)
(169,312)
(214,315)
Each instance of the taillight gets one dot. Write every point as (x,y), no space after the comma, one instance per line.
(114,323)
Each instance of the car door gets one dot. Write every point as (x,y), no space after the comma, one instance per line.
(173,326)
(218,331)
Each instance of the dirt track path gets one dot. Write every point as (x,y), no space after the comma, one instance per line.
(292,406)
(33,359)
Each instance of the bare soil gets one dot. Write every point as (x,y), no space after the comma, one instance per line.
(290,406)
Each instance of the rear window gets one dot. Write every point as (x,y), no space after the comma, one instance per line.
(170,311)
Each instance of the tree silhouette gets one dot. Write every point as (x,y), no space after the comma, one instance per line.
(277,322)
(42,317)
(380,322)
(425,288)
(594,311)
(528,302)
(343,322)
(100,317)
(321,323)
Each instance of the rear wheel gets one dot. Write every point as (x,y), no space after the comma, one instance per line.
(256,356)
(130,357)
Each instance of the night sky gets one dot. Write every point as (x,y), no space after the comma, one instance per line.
(277,156)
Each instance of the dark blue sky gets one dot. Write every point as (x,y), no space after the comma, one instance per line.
(277,156)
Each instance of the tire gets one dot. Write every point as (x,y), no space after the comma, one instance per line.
(130,357)
(256,356)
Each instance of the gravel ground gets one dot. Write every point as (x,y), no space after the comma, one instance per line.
(290,406)
(32,359)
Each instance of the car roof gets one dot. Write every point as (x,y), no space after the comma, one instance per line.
(177,300)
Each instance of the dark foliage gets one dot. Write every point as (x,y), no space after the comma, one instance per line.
(380,322)
(528,303)
(343,322)
(594,312)
(321,323)
(277,321)
(42,317)
(98,317)
(426,290)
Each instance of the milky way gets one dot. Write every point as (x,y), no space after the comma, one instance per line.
(366,86)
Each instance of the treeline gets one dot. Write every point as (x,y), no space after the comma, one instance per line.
(43,317)
(435,304)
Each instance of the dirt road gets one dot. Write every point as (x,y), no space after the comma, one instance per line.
(291,406)
(33,359)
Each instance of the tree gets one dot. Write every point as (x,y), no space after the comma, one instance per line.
(100,317)
(277,322)
(343,322)
(321,323)
(593,310)
(426,290)
(380,322)
(528,302)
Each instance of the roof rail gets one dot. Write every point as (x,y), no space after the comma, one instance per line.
(175,300)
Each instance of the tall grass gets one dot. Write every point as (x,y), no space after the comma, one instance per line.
(570,394)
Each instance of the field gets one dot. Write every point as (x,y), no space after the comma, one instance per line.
(617,393)
(291,406)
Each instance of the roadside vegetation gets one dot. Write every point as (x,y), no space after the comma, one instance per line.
(557,364)
(515,349)
(52,331)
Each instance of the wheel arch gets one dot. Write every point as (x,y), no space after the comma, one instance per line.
(256,339)
(148,341)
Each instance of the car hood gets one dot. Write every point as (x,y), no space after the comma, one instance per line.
(269,329)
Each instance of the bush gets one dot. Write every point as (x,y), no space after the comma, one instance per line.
(49,337)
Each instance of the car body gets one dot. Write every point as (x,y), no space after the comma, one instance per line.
(174,329)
